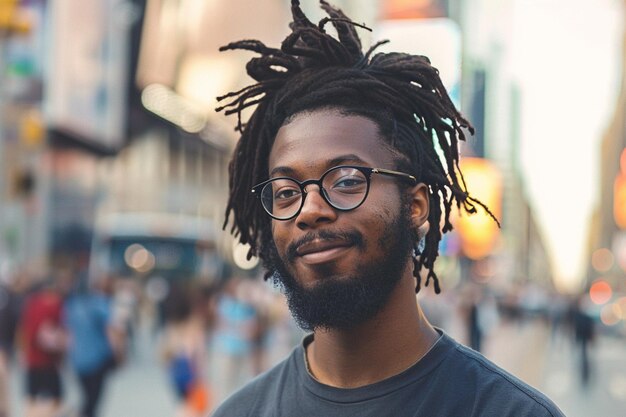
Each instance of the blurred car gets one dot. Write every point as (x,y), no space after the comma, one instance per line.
(144,245)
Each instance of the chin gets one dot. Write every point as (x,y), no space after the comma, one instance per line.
(311,277)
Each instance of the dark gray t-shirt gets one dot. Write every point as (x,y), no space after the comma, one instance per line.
(449,381)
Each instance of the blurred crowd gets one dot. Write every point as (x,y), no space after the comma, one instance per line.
(479,311)
(211,338)
(49,321)
(65,321)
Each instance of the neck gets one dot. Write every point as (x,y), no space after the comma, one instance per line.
(396,338)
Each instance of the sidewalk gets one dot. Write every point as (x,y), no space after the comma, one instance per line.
(606,393)
(551,364)
(520,348)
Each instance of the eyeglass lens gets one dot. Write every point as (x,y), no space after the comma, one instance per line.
(344,188)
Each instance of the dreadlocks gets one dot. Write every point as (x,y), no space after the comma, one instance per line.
(402,93)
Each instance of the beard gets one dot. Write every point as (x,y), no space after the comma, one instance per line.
(343,302)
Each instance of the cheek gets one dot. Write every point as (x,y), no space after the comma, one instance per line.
(384,210)
(381,227)
(385,214)
(280,236)
(374,227)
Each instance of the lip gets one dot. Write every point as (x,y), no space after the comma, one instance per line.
(322,251)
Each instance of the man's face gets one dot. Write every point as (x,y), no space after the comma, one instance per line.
(338,268)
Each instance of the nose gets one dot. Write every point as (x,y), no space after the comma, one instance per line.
(315,210)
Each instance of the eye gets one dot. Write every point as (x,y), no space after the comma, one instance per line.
(286,193)
(349,183)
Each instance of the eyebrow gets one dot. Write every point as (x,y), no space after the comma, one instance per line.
(339,160)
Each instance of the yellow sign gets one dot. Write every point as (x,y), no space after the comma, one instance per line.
(7,11)
(478,232)
(11,19)
(32,130)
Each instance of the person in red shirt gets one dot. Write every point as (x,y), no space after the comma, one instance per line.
(44,343)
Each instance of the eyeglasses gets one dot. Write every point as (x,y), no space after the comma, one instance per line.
(343,187)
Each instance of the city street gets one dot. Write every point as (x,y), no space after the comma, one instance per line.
(551,363)
(156,158)
(605,396)
(529,350)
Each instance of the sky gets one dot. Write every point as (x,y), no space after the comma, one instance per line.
(567,58)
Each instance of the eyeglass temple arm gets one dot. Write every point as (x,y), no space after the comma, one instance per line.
(394,174)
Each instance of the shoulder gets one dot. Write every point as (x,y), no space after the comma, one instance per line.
(490,387)
(260,396)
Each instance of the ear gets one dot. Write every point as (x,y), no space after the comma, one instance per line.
(419,204)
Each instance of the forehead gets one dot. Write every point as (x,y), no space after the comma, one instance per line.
(316,141)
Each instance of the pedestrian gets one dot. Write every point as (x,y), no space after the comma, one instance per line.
(584,335)
(345,158)
(11,289)
(92,338)
(481,313)
(234,337)
(183,349)
(44,340)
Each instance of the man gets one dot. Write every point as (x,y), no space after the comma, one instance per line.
(44,342)
(338,186)
(92,339)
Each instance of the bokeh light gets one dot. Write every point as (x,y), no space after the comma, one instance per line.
(621,303)
(139,258)
(608,315)
(240,257)
(600,292)
(602,260)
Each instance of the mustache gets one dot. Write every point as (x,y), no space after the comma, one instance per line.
(351,237)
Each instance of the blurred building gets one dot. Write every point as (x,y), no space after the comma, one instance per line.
(77,142)
(23,199)
(607,251)
(491,98)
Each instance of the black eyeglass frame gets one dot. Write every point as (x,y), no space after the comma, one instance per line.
(366,171)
